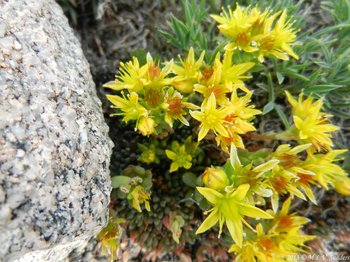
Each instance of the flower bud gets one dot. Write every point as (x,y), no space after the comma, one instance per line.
(146,126)
(342,185)
(215,178)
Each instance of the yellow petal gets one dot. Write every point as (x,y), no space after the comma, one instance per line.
(286,206)
(211,195)
(174,167)
(116,100)
(187,165)
(241,192)
(211,103)
(209,222)
(197,115)
(148,207)
(252,211)
(275,202)
(112,85)
(299,123)
(266,166)
(310,194)
(296,192)
(342,185)
(235,227)
(234,159)
(328,128)
(299,149)
(170,154)
(221,130)
(202,133)
(183,120)
(291,99)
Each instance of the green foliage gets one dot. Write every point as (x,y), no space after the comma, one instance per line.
(193,29)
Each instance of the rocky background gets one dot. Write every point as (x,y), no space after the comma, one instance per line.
(54,144)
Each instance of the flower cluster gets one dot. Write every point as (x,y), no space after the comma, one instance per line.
(156,97)
(213,103)
(260,33)
(276,239)
(245,182)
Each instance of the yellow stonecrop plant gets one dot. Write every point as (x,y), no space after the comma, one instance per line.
(214,102)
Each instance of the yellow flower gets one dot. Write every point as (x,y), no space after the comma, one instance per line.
(282,183)
(278,40)
(179,157)
(283,222)
(226,142)
(233,73)
(229,208)
(262,247)
(213,84)
(258,32)
(236,25)
(241,107)
(252,175)
(292,163)
(211,118)
(174,107)
(131,108)
(135,78)
(139,196)
(311,125)
(156,76)
(110,237)
(222,78)
(130,76)
(342,185)
(326,172)
(287,230)
(237,122)
(282,239)
(187,73)
(148,153)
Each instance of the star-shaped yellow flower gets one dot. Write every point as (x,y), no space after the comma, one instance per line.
(230,208)
(310,124)
(211,118)
(188,72)
(179,157)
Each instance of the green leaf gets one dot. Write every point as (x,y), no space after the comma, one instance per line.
(147,181)
(189,179)
(268,107)
(270,87)
(282,116)
(294,74)
(171,39)
(229,168)
(280,77)
(118,181)
(197,196)
(141,55)
(322,88)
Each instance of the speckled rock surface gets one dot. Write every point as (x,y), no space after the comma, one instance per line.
(54,145)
